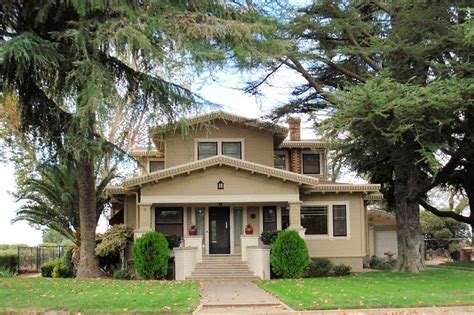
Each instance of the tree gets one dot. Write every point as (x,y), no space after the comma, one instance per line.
(53,237)
(381,52)
(67,63)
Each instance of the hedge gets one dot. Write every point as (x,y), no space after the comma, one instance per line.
(9,261)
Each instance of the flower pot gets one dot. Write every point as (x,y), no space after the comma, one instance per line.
(192,231)
(248,230)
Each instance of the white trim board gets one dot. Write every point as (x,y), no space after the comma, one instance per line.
(192,199)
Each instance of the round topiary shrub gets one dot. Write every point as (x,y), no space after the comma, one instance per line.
(151,253)
(289,256)
(319,267)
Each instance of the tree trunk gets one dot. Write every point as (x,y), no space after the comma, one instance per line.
(409,235)
(88,263)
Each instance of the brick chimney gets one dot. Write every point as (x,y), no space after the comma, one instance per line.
(294,125)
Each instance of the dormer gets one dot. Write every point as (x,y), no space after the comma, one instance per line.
(149,159)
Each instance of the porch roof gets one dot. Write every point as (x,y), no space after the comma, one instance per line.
(305,144)
(221,160)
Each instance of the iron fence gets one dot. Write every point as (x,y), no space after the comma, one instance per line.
(30,259)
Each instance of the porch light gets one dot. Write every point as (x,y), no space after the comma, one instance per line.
(220,185)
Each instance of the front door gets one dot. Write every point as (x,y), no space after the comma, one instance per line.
(219,228)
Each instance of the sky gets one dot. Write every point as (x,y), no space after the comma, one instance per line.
(223,88)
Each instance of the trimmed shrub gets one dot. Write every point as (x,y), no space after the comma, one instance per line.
(64,268)
(111,246)
(48,267)
(173,241)
(151,253)
(341,270)
(269,237)
(122,274)
(319,267)
(6,273)
(289,256)
(9,261)
(380,263)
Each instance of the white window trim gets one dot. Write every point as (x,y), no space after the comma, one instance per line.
(321,158)
(330,204)
(287,160)
(219,145)
(154,160)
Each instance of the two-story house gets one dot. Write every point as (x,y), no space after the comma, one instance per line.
(226,171)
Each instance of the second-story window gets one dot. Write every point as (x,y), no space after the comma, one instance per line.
(280,160)
(206,149)
(311,163)
(232,149)
(156,166)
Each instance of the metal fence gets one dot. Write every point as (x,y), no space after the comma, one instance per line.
(30,259)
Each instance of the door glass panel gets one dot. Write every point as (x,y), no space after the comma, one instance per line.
(199,221)
(237,224)
(214,231)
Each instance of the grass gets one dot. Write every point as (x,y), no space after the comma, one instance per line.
(41,294)
(460,265)
(433,287)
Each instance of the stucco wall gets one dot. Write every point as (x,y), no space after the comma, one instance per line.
(354,245)
(256,221)
(258,145)
(130,212)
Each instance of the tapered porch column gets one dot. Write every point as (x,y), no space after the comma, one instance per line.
(295,217)
(145,219)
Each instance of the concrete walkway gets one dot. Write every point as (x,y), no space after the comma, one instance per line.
(237,297)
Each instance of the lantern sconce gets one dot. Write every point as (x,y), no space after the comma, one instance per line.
(220,185)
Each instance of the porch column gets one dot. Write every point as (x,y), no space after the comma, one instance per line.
(295,217)
(145,221)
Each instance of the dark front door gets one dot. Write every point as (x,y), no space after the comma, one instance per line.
(219,227)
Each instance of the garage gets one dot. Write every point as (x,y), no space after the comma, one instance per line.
(385,241)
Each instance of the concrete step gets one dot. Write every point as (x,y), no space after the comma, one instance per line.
(223,267)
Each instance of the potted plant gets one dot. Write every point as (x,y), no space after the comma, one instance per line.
(248,229)
(192,230)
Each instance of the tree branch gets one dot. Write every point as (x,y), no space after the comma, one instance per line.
(382,6)
(445,214)
(256,86)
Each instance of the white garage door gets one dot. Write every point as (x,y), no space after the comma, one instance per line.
(385,241)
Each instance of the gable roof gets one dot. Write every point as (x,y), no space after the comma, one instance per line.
(205,118)
(220,160)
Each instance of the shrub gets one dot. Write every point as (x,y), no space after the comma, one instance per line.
(173,241)
(319,267)
(151,253)
(289,256)
(341,270)
(269,237)
(9,261)
(380,263)
(6,273)
(122,274)
(64,268)
(47,268)
(111,246)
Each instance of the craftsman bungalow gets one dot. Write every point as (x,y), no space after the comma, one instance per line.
(226,172)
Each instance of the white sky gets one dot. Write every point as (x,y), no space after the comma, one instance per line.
(221,89)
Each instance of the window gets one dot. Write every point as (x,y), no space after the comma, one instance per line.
(199,212)
(285,218)
(206,149)
(169,221)
(237,224)
(315,220)
(269,218)
(232,149)
(280,160)
(311,163)
(339,220)
(156,166)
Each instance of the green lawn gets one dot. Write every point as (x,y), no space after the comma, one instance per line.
(433,287)
(21,293)
(461,265)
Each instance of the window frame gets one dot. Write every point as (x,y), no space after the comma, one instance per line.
(330,204)
(320,153)
(156,216)
(275,209)
(222,148)
(333,219)
(287,158)
(217,148)
(219,142)
(155,160)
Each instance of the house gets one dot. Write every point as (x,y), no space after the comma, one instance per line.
(382,233)
(224,172)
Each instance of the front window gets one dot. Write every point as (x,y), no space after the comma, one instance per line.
(339,217)
(315,220)
(269,218)
(311,163)
(280,160)
(206,149)
(169,220)
(156,166)
(232,149)
(285,218)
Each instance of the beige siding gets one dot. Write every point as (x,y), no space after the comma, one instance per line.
(237,183)
(255,223)
(258,145)
(351,247)
(130,212)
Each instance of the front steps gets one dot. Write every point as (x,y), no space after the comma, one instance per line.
(222,267)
